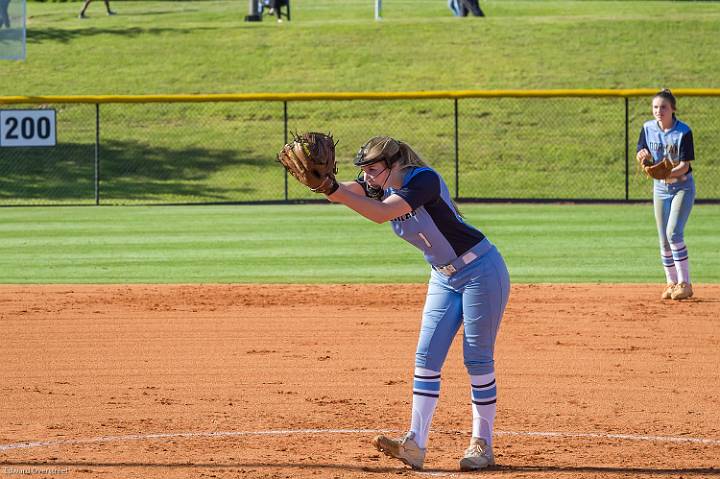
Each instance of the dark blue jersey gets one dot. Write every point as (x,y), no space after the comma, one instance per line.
(676,144)
(433,225)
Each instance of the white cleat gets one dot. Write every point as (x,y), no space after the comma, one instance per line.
(667,293)
(404,448)
(477,456)
(682,291)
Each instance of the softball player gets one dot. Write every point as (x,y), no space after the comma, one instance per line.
(673,197)
(469,286)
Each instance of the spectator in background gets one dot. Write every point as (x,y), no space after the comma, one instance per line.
(461,8)
(4,16)
(456,7)
(85,5)
(273,7)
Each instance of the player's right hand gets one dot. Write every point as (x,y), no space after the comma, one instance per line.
(644,157)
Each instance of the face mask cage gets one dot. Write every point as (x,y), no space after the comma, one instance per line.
(361,158)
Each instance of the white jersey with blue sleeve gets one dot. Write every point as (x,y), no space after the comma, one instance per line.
(675,144)
(434,225)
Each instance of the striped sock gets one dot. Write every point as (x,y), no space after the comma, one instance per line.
(426,391)
(484,397)
(669,266)
(680,257)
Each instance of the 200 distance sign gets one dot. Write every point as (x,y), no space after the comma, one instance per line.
(22,128)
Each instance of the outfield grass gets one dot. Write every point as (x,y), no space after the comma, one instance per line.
(330,244)
(225,153)
(568,148)
(558,148)
(205,46)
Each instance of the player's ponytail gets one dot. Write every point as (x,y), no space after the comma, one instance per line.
(408,157)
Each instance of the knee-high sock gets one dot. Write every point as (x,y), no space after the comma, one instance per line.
(669,266)
(426,391)
(682,265)
(484,397)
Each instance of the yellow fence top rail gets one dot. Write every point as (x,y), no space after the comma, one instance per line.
(345,96)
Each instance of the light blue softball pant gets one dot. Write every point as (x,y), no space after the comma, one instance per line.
(474,297)
(673,204)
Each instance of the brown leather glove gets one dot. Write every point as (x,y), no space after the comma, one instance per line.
(310,159)
(659,171)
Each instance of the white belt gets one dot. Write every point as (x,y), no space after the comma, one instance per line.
(447,270)
(452,268)
(672,181)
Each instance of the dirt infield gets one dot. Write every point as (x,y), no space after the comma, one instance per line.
(276,381)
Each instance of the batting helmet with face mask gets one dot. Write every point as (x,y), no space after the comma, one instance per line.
(378,148)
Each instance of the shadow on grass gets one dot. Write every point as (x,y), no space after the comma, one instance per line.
(162,12)
(62,35)
(130,171)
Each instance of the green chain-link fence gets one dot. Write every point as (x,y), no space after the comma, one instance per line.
(542,146)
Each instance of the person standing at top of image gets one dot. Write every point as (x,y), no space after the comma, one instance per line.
(87,2)
(460,8)
(4,15)
(275,6)
(469,286)
(674,196)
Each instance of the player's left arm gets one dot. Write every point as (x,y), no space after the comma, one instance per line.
(679,169)
(377,211)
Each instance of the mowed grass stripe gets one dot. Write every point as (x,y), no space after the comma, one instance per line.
(330,244)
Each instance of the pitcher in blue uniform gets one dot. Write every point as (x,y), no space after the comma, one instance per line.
(674,196)
(469,286)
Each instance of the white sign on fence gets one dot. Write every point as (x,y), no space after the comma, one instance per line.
(22,128)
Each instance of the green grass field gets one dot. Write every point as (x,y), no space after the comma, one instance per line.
(205,46)
(224,152)
(330,244)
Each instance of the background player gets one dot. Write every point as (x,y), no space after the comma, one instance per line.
(673,197)
(469,286)
(4,15)
(87,3)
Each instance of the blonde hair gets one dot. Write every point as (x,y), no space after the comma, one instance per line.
(392,151)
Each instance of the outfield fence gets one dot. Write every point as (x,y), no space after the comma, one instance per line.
(504,145)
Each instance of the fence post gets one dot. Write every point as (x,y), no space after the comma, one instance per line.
(97,154)
(285,136)
(627,153)
(457,154)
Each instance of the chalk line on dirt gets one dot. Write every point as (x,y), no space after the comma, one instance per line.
(289,432)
